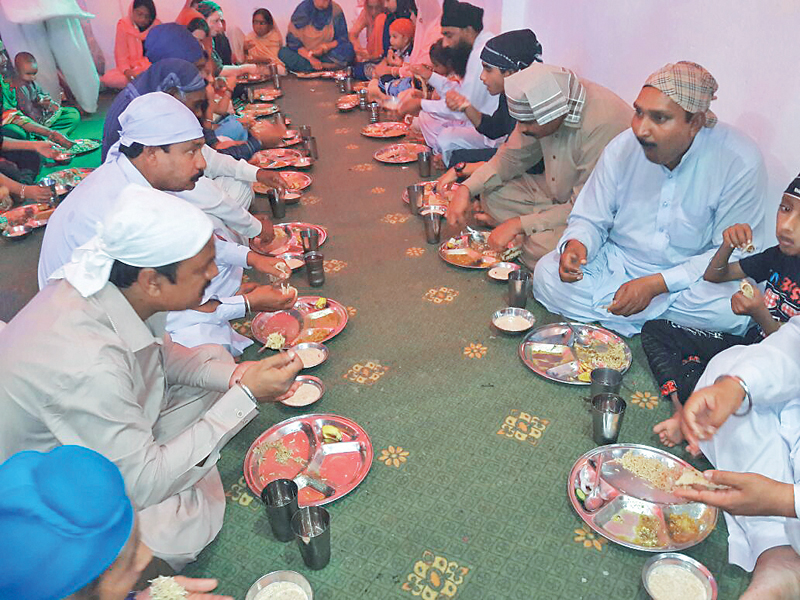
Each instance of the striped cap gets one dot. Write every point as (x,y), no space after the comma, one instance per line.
(543,93)
(794,188)
(689,85)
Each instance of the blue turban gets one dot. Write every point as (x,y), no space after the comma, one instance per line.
(64,519)
(170,40)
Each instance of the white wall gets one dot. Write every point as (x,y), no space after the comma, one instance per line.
(751,49)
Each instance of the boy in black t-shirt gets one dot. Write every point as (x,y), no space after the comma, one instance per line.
(678,355)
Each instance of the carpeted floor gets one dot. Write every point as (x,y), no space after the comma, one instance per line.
(454,506)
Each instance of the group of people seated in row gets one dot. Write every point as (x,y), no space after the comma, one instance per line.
(643,220)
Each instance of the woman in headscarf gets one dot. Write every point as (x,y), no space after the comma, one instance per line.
(369,19)
(317,38)
(188,13)
(171,75)
(129,44)
(263,43)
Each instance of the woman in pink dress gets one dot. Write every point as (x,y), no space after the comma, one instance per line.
(128,46)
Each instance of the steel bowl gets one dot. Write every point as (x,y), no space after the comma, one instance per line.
(681,560)
(278,576)
(295,257)
(313,346)
(303,163)
(507,265)
(15,232)
(513,312)
(311,380)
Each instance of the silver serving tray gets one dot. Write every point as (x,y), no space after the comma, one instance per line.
(326,472)
(559,334)
(628,499)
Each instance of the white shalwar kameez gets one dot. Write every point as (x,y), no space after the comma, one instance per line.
(637,218)
(446,130)
(766,440)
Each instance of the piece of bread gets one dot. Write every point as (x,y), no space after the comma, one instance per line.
(692,477)
(747,289)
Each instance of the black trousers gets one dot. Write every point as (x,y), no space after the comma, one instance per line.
(679,355)
(20,165)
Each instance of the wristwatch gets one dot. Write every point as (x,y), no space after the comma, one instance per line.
(459,168)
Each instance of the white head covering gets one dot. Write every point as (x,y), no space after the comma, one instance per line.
(156,119)
(148,228)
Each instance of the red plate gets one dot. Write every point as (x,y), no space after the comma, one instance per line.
(332,324)
(294,449)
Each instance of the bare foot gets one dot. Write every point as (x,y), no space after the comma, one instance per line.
(669,431)
(776,576)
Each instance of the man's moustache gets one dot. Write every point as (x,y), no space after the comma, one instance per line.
(645,144)
(196,178)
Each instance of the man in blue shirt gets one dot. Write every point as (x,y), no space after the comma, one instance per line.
(652,214)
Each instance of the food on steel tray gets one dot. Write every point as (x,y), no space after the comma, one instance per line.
(321,303)
(650,470)
(331,433)
(310,357)
(275,341)
(682,527)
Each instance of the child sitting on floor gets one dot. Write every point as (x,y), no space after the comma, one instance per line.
(678,355)
(263,43)
(37,104)
(401,40)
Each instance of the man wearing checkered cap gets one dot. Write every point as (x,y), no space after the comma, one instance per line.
(652,213)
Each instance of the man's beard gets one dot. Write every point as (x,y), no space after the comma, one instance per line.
(460,56)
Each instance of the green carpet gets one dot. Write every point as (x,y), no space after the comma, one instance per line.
(465,511)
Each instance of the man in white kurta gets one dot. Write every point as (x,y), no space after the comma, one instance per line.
(447,130)
(87,362)
(764,441)
(652,213)
(153,120)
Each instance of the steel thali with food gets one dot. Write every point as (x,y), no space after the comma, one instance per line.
(287,239)
(398,154)
(385,129)
(295,182)
(30,216)
(319,323)
(637,507)
(67,179)
(258,110)
(266,94)
(567,352)
(275,158)
(81,146)
(323,468)
(471,251)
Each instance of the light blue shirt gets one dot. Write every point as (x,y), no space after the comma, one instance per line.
(645,219)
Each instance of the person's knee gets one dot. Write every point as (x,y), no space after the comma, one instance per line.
(213,352)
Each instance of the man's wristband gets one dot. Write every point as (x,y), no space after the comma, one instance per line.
(746,390)
(249,393)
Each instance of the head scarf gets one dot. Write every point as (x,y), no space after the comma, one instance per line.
(156,119)
(461,15)
(513,50)
(689,85)
(64,519)
(794,188)
(147,228)
(165,75)
(171,40)
(130,28)
(543,93)
(307,14)
(427,29)
(404,27)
